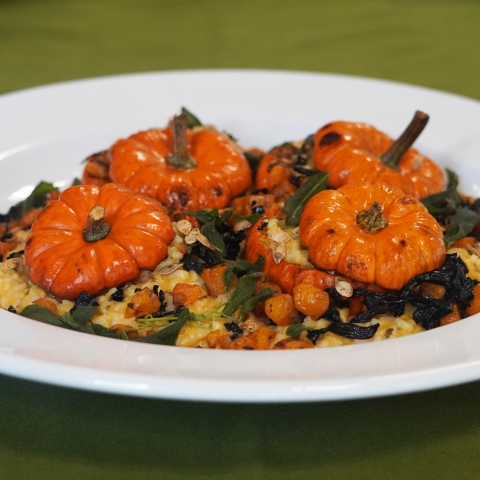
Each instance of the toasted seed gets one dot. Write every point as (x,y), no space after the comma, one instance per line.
(343,287)
(168,269)
(241,225)
(279,236)
(12,263)
(184,226)
(279,253)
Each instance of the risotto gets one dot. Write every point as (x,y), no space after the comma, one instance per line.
(242,264)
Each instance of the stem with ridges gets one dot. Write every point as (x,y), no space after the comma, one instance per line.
(180,158)
(372,220)
(97,228)
(391,158)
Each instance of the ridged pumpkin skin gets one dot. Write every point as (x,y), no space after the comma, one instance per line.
(63,263)
(285,274)
(350,152)
(411,244)
(222,172)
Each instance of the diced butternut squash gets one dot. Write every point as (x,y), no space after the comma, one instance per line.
(185,293)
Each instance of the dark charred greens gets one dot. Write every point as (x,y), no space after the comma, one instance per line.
(452,275)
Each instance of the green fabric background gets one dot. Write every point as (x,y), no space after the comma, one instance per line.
(56,433)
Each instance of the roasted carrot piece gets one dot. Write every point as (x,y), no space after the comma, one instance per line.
(453,317)
(213,278)
(292,343)
(310,300)
(463,242)
(47,303)
(185,293)
(142,303)
(280,309)
(474,306)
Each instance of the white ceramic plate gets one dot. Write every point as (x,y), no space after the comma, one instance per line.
(46,132)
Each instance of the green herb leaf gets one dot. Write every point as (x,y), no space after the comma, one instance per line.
(102,331)
(261,297)
(250,218)
(253,160)
(215,238)
(169,335)
(296,203)
(41,314)
(76,182)
(228,278)
(307,143)
(192,120)
(205,216)
(38,197)
(79,318)
(295,330)
(447,202)
(242,293)
(461,224)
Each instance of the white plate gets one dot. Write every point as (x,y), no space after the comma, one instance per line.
(47,131)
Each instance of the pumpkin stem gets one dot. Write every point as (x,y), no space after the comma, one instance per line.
(391,158)
(97,228)
(180,158)
(372,220)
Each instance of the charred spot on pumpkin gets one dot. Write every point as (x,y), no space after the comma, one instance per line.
(179,197)
(406,200)
(331,232)
(217,191)
(403,242)
(329,138)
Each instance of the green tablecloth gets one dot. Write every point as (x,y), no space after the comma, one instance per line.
(55,433)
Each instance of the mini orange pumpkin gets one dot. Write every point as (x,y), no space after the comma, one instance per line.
(92,239)
(357,152)
(371,233)
(188,168)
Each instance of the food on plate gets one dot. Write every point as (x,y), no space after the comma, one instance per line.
(92,239)
(172,240)
(357,152)
(190,168)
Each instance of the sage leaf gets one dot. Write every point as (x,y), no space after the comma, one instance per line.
(41,314)
(241,267)
(168,335)
(296,203)
(261,297)
(215,238)
(192,120)
(446,202)
(296,330)
(102,331)
(461,224)
(253,160)
(242,293)
(38,197)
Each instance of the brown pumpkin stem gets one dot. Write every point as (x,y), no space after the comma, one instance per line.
(391,158)
(180,158)
(372,220)
(97,228)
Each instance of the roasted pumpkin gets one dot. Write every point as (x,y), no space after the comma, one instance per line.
(91,239)
(187,168)
(371,233)
(357,152)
